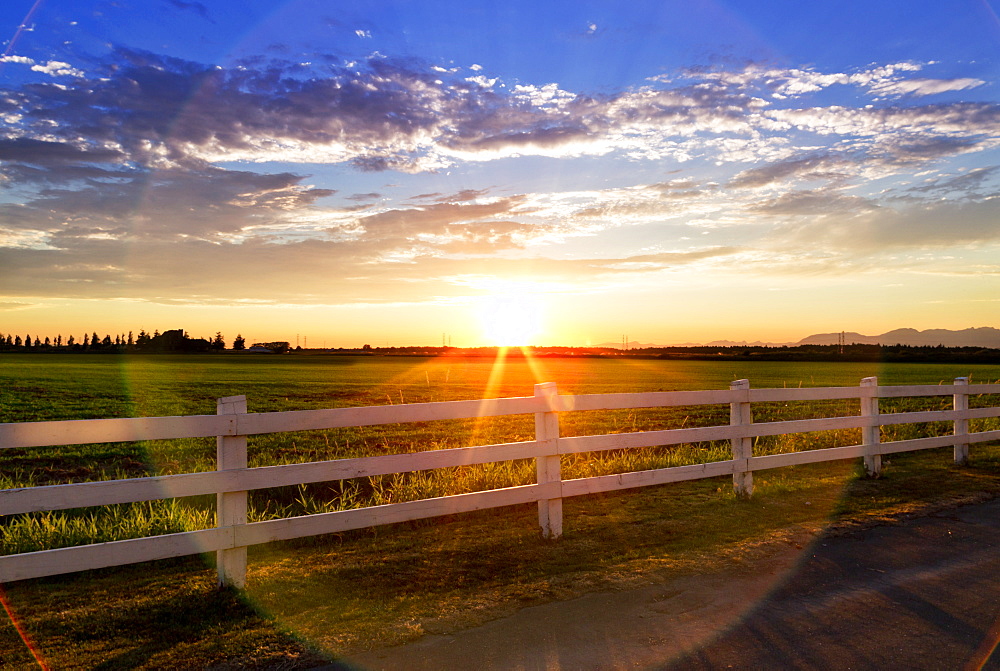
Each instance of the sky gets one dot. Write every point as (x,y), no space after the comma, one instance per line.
(476,173)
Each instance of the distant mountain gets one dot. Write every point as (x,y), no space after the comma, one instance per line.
(972,337)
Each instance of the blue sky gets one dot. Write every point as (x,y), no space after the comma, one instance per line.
(392,171)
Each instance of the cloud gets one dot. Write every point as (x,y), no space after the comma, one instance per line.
(891,80)
(58,69)
(877,231)
(196,7)
(121,190)
(807,168)
(401,115)
(165,204)
(812,203)
(925,87)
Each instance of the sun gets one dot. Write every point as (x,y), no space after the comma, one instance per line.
(511,318)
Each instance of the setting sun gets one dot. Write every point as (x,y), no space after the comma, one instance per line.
(511,318)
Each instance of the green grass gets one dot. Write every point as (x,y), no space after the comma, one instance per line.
(314,598)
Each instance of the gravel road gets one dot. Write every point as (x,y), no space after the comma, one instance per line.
(921,593)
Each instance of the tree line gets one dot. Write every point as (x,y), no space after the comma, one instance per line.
(176,340)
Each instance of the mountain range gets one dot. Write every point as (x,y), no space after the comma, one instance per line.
(986,336)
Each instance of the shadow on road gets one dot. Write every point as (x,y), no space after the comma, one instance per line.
(923,593)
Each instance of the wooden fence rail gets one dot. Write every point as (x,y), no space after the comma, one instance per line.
(233,479)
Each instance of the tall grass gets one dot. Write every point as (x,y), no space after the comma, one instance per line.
(166,386)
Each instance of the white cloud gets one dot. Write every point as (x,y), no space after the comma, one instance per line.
(23,60)
(58,69)
(924,87)
(121,168)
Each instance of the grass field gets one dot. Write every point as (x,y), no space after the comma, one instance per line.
(308,600)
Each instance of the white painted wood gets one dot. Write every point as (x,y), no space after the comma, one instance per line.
(84,494)
(742,447)
(346,520)
(899,391)
(984,436)
(109,492)
(915,417)
(802,394)
(118,553)
(234,479)
(976,389)
(960,402)
(621,441)
(548,469)
(82,431)
(608,483)
(655,399)
(806,457)
(231,507)
(981,413)
(915,444)
(308,420)
(870,433)
(807,425)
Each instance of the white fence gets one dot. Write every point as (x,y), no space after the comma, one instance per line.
(231,482)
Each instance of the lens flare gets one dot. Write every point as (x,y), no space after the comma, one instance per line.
(21,631)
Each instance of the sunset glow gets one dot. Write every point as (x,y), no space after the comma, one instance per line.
(372,173)
(511,320)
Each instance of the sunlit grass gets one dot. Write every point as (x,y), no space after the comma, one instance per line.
(154,386)
(387,585)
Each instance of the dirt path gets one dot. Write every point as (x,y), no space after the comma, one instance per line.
(922,593)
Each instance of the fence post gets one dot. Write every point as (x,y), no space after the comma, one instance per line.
(231,507)
(548,468)
(739,415)
(870,433)
(961,425)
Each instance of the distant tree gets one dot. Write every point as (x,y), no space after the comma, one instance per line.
(143,340)
(94,340)
(10,342)
(27,341)
(218,342)
(48,343)
(17,341)
(130,342)
(240,343)
(367,348)
(70,341)
(86,341)
(106,343)
(59,340)
(38,343)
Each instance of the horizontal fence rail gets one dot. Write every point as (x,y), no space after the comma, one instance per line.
(233,479)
